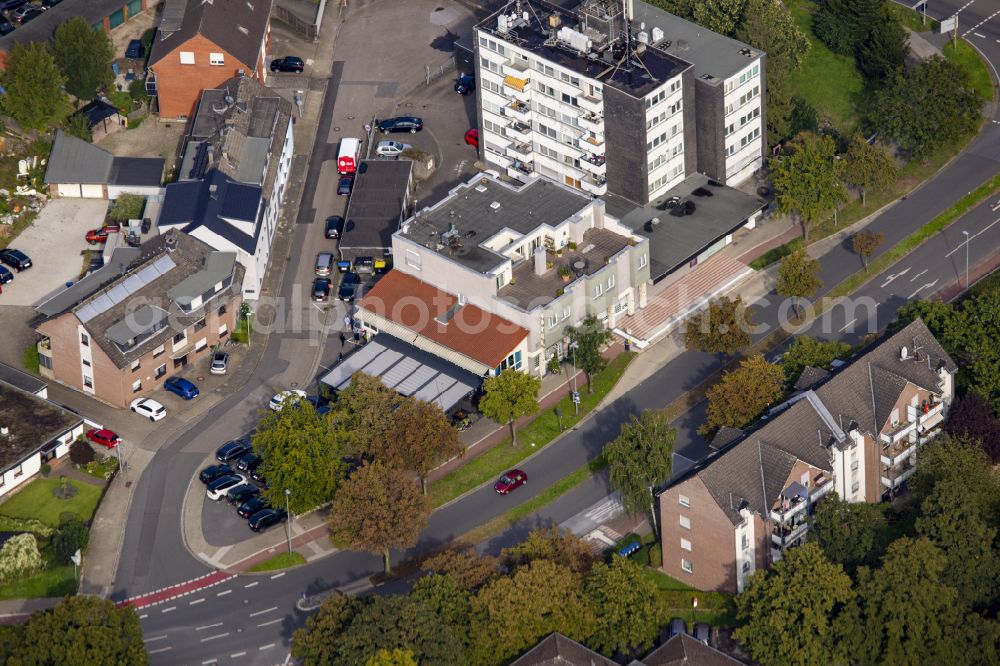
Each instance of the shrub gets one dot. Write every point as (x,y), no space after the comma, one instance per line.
(20,558)
(80,452)
(9,524)
(655,555)
(45,469)
(127,207)
(553,365)
(68,539)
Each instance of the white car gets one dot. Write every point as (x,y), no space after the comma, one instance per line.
(221,487)
(390,148)
(286,397)
(149,408)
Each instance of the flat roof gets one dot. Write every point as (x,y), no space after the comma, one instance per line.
(377,205)
(42,28)
(137,171)
(20,379)
(33,422)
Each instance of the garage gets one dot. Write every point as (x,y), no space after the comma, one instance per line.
(92,191)
(68,190)
(80,170)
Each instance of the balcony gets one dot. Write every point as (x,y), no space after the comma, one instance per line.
(592,122)
(902,449)
(518,130)
(931,418)
(822,486)
(595,164)
(517,88)
(520,151)
(519,169)
(784,536)
(516,67)
(590,103)
(787,509)
(893,477)
(900,431)
(45,358)
(519,110)
(595,185)
(593,144)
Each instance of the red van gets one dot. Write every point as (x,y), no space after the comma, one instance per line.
(349,156)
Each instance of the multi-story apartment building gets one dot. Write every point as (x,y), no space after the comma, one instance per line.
(540,256)
(856,432)
(583,97)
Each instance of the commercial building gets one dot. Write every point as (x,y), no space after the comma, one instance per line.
(380,201)
(856,432)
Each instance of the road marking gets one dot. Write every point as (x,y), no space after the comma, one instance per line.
(979,35)
(253,584)
(144,616)
(995,206)
(278,575)
(976,27)
(208,626)
(212,638)
(918,275)
(158,650)
(266,647)
(893,276)
(929,284)
(196,601)
(850,323)
(223,593)
(273,608)
(167,610)
(237,654)
(154,638)
(264,624)
(969,239)
(209,661)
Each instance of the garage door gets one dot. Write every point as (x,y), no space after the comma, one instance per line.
(69,190)
(92,191)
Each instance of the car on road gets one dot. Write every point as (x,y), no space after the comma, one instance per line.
(247,460)
(220,363)
(509,481)
(96,236)
(181,387)
(213,472)
(465,84)
(290,397)
(104,437)
(472,137)
(321,289)
(251,506)
(149,408)
(409,124)
(334,226)
(349,287)
(221,486)
(134,50)
(261,520)
(390,148)
(288,64)
(242,493)
(345,185)
(233,450)
(5,275)
(15,259)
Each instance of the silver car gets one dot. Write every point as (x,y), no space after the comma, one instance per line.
(390,148)
(220,363)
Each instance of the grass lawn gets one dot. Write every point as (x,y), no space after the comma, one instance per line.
(37,501)
(912,19)
(966,57)
(715,608)
(281,561)
(57,581)
(539,432)
(828,81)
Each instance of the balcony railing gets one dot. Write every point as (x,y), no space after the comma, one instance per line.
(592,104)
(788,509)
(518,128)
(522,167)
(519,108)
(521,150)
(893,477)
(784,536)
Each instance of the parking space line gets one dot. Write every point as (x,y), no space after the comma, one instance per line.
(208,626)
(196,601)
(223,593)
(278,575)
(237,654)
(159,650)
(266,647)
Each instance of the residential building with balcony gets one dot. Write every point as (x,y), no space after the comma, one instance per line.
(854,432)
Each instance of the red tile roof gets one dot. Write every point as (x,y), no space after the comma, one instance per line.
(423,308)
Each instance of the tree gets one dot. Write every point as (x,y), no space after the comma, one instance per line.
(69,538)
(513,613)
(465,565)
(798,277)
(847,532)
(627,607)
(84,56)
(721,16)
(950,458)
(971,418)
(786,614)
(881,55)
(81,453)
(804,117)
(509,396)
(301,454)
(34,95)
(589,337)
(640,459)
(844,24)
(421,437)
(379,508)
(806,351)
(79,126)
(19,557)
(807,178)
(127,207)
(316,643)
(721,328)
(868,168)
(553,544)
(864,243)
(365,412)
(744,394)
(395,657)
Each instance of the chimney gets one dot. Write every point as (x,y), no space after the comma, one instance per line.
(4,431)
(540,260)
(170,241)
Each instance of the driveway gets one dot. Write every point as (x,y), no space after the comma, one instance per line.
(55,243)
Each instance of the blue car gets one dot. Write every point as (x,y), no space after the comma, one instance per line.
(134,50)
(5,275)
(181,387)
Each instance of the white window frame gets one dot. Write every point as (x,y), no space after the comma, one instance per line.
(685,545)
(217,59)
(684,501)
(685,522)
(686,566)
(187,57)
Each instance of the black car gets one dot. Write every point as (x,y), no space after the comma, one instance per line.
(465,84)
(287,64)
(334,226)
(257,474)
(134,50)
(401,124)
(214,472)
(15,259)
(321,289)
(6,27)
(263,519)
(6,5)
(31,15)
(349,287)
(344,185)
(247,459)
(48,4)
(242,493)
(252,506)
(233,450)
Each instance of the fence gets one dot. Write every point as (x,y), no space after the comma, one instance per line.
(434,73)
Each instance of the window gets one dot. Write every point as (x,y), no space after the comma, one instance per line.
(854,465)
(642,261)
(187,57)
(745,542)
(501,280)
(200,324)
(180,338)
(489,64)
(686,566)
(492,86)
(85,363)
(746,566)
(223,331)
(45,361)
(656,99)
(84,339)
(854,487)
(685,522)
(598,289)
(512,361)
(217,59)
(18,471)
(544,89)
(544,69)
(566,78)
(135,365)
(160,371)
(675,85)
(201,344)
(553,320)
(88,381)
(136,386)
(569,99)
(894,417)
(566,313)
(548,131)
(159,350)
(413,259)
(684,501)
(222,310)
(494,46)
(686,545)
(611,281)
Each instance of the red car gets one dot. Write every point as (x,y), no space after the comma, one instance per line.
(103,437)
(511,480)
(472,137)
(95,236)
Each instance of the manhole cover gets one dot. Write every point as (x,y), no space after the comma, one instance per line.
(350,117)
(200,379)
(336,128)
(295,384)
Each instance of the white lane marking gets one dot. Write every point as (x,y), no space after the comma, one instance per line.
(979,35)
(167,610)
(918,275)
(969,240)
(237,654)
(154,638)
(266,647)
(976,27)
(850,323)
(223,593)
(996,205)
(893,276)
(159,650)
(144,616)
(196,601)
(273,608)
(212,638)
(264,624)
(926,286)
(253,584)
(209,661)
(208,626)
(278,575)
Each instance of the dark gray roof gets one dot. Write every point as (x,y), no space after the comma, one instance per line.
(236,26)
(20,379)
(137,171)
(120,260)
(144,321)
(810,377)
(33,423)
(685,650)
(750,474)
(725,435)
(97,111)
(191,204)
(377,205)
(217,267)
(73,160)
(675,239)
(42,28)
(557,650)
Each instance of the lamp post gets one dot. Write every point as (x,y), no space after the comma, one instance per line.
(576,399)
(967,239)
(288,521)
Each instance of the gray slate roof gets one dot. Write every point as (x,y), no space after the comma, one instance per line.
(191,204)
(21,379)
(73,160)
(685,650)
(557,650)
(236,26)
(377,205)
(810,377)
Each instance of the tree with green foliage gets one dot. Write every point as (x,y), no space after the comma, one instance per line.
(721,16)
(971,418)
(848,532)
(378,508)
(465,565)
(316,643)
(864,243)
(420,439)
(807,179)
(640,459)
(949,458)
(364,411)
(19,557)
(804,117)
(33,87)
(514,612)
(586,342)
(627,607)
(302,454)
(553,544)
(79,126)
(395,657)
(868,168)
(721,328)
(881,55)
(798,278)
(843,25)
(509,396)
(786,614)
(84,57)
(743,394)
(806,351)
(69,538)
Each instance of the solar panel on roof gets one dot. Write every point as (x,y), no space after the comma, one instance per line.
(164,264)
(148,274)
(102,303)
(118,293)
(200,163)
(132,284)
(86,313)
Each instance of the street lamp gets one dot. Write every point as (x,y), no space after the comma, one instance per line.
(288,521)
(576,399)
(967,239)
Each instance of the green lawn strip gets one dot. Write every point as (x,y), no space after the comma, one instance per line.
(30,359)
(912,19)
(715,608)
(57,581)
(530,438)
(280,561)
(966,57)
(37,501)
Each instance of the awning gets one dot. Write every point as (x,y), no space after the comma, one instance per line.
(795,490)
(183,351)
(515,83)
(408,370)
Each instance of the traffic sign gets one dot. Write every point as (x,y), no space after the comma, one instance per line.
(576,397)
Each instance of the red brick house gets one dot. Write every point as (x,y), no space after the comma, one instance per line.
(202,44)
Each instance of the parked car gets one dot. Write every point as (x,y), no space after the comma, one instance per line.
(15,259)
(233,450)
(409,124)
(509,481)
(334,226)
(149,408)
(5,275)
(390,148)
(104,437)
(7,5)
(257,474)
(134,50)
(220,363)
(95,236)
(18,14)
(251,506)
(345,185)
(321,289)
(348,287)
(677,626)
(30,14)
(49,4)
(246,460)
(6,27)
(261,520)
(221,486)
(324,264)
(702,632)
(182,387)
(288,64)
(472,137)
(465,84)
(213,472)
(291,396)
(242,493)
